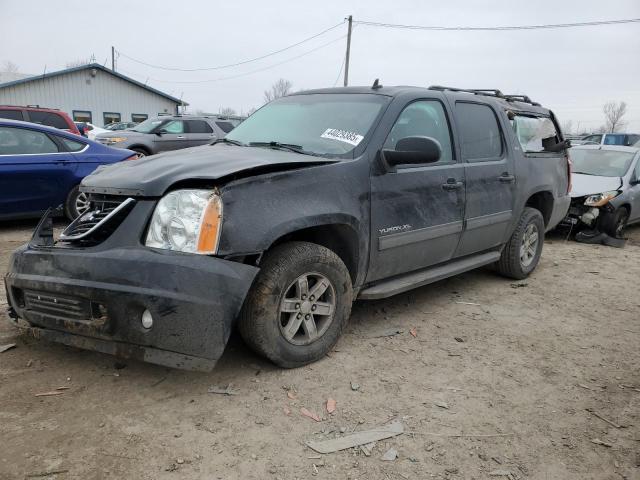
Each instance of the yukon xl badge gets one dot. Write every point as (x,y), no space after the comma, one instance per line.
(395,229)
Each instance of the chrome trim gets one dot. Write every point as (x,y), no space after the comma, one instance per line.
(120,207)
(420,235)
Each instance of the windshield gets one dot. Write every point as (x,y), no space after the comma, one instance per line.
(148,125)
(321,124)
(605,163)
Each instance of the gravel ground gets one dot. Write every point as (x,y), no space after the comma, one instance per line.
(496,383)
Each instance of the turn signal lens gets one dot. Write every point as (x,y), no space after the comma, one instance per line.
(210,226)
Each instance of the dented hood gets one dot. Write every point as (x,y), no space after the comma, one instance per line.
(152,176)
(583,185)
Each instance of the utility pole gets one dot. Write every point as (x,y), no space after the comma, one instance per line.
(346,58)
(113,58)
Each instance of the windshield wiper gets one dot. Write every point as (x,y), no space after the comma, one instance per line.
(282,146)
(228,141)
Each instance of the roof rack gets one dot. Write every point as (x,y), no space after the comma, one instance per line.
(489,92)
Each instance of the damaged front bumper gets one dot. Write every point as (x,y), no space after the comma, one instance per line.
(581,215)
(94,298)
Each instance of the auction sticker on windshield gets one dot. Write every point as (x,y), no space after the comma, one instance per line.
(342,136)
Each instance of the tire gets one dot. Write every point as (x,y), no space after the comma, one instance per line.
(271,332)
(142,152)
(616,226)
(517,260)
(76,203)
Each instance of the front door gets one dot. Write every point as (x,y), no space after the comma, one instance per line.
(416,210)
(489,174)
(171,136)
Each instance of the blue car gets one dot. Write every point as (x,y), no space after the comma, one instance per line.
(41,167)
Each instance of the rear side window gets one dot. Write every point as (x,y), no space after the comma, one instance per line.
(11,114)
(424,118)
(199,126)
(535,134)
(21,141)
(72,145)
(226,127)
(480,135)
(49,118)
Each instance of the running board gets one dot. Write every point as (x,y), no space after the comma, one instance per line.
(412,280)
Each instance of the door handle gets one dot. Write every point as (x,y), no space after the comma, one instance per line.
(506,178)
(452,184)
(180,137)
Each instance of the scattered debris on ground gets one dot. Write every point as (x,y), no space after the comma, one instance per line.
(356,439)
(9,346)
(228,390)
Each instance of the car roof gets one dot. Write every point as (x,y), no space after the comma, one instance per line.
(5,122)
(31,109)
(614,148)
(394,91)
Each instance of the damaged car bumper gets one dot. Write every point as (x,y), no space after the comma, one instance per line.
(166,308)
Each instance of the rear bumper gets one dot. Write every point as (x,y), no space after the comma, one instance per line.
(560,209)
(95,300)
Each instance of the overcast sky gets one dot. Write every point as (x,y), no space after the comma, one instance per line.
(572,71)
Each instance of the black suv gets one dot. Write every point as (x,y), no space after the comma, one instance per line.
(317,199)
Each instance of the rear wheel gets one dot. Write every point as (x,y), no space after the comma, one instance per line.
(77,203)
(298,305)
(141,152)
(521,254)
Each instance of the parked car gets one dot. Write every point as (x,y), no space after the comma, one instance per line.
(41,167)
(164,133)
(93,131)
(317,199)
(42,116)
(624,139)
(606,188)
(120,126)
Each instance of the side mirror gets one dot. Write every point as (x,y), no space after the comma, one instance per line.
(161,132)
(413,151)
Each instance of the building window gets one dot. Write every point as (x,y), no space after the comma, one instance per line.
(110,117)
(83,116)
(139,117)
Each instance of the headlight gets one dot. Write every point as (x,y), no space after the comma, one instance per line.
(187,221)
(600,199)
(112,140)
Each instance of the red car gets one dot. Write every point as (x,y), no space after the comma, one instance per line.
(43,116)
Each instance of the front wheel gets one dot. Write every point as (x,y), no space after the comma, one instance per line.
(298,305)
(618,223)
(77,203)
(521,254)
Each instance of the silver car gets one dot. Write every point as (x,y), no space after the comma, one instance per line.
(605,195)
(164,133)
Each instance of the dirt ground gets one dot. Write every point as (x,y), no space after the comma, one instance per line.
(496,383)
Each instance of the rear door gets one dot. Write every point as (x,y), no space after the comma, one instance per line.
(199,132)
(34,171)
(416,210)
(173,138)
(489,174)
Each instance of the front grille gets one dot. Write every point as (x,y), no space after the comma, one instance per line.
(105,213)
(57,306)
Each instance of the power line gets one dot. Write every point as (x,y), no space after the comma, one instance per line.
(246,73)
(503,28)
(220,67)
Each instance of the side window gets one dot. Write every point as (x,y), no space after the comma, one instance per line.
(593,138)
(535,134)
(48,118)
(226,127)
(425,118)
(199,126)
(479,132)
(175,126)
(637,171)
(71,145)
(20,141)
(11,114)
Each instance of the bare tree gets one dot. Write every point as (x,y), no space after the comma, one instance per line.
(613,113)
(279,89)
(9,67)
(226,111)
(567,127)
(77,63)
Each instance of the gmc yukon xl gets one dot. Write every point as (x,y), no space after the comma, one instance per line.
(316,200)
